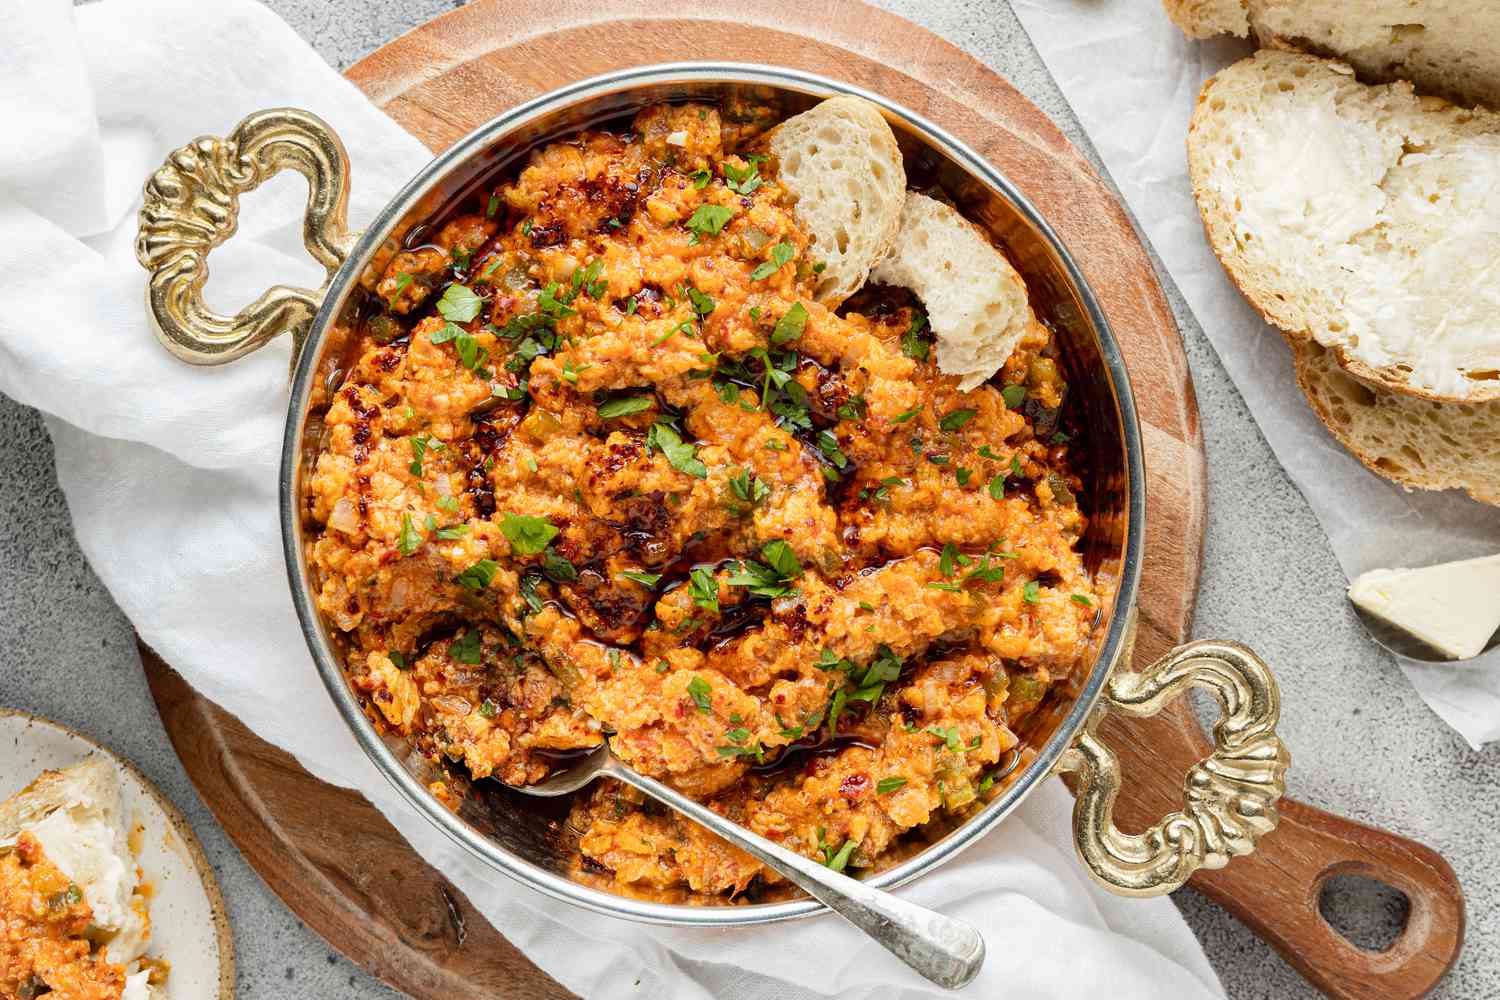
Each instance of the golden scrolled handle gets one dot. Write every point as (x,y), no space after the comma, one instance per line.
(192,205)
(1230,798)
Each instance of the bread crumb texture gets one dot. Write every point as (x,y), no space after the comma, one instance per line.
(1365,218)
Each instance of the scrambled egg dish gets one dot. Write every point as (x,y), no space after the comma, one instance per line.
(599,466)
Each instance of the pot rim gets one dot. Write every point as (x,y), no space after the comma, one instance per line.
(1116,640)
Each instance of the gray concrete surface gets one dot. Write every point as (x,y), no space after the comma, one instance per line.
(1362,743)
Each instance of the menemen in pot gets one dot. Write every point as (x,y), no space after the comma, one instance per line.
(551,475)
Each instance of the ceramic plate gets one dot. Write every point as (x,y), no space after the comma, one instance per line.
(188,924)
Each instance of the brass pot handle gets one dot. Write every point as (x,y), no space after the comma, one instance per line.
(192,205)
(1230,798)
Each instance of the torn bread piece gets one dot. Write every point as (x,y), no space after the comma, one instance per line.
(1444,47)
(1452,606)
(976,302)
(70,825)
(841,160)
(1420,443)
(1364,218)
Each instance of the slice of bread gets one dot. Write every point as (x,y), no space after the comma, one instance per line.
(841,160)
(1446,47)
(1364,218)
(1419,443)
(78,817)
(975,301)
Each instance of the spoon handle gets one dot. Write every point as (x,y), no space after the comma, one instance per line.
(946,951)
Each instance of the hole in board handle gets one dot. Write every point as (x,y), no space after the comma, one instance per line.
(1365,911)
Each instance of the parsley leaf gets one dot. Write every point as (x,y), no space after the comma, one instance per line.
(459,304)
(790,326)
(1014,396)
(701,693)
(741,180)
(623,406)
(1031,593)
(708,220)
(911,343)
(704,589)
(888,785)
(902,418)
(700,179)
(410,539)
(997,487)
(1082,599)
(780,254)
(681,456)
(557,567)
(644,579)
(466,649)
(527,535)
(956,419)
(782,559)
(702,303)
(478,576)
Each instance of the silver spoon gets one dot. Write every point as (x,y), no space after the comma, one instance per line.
(946,951)
(1401,642)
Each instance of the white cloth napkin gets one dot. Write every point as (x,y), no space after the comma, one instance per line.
(1132,76)
(170,475)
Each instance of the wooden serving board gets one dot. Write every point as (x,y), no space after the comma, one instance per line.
(346,872)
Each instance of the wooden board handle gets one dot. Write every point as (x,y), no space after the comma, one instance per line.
(1312,846)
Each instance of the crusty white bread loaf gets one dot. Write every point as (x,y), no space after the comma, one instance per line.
(976,302)
(1362,217)
(1446,47)
(78,817)
(841,160)
(1419,443)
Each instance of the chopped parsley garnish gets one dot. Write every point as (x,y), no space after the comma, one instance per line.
(828,444)
(985,451)
(837,862)
(478,576)
(708,220)
(790,326)
(1031,593)
(882,492)
(644,579)
(949,736)
(488,709)
(701,693)
(952,559)
(492,206)
(1015,465)
(528,591)
(623,406)
(962,475)
(997,486)
(470,354)
(702,303)
(780,557)
(557,567)
(551,305)
(886,786)
(527,535)
(681,456)
(745,486)
(902,418)
(410,539)
(912,345)
(853,408)
(741,180)
(587,279)
(449,503)
(419,448)
(957,418)
(398,660)
(466,649)
(1061,437)
(704,589)
(1082,599)
(402,281)
(1014,396)
(459,304)
(780,254)
(700,179)
(452,532)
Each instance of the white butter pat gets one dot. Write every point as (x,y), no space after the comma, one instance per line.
(1453,607)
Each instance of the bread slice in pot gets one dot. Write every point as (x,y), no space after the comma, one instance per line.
(841,160)
(1364,218)
(975,301)
(1446,47)
(77,817)
(1420,443)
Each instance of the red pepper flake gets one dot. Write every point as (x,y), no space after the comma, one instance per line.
(854,786)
